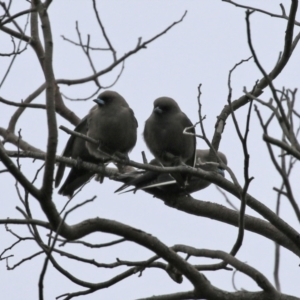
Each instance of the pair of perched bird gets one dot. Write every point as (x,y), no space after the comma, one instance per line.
(112,123)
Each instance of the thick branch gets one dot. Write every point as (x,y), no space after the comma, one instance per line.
(46,188)
(196,207)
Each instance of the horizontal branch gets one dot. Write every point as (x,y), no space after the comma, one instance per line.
(282,16)
(26,222)
(285,235)
(42,106)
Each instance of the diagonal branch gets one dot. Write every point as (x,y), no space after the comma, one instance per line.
(138,47)
(263,83)
(282,16)
(46,188)
(111,48)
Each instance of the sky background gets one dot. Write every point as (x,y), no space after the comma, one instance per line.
(201,49)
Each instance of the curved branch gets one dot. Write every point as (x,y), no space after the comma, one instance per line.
(282,16)
(289,47)
(10,19)
(258,277)
(284,146)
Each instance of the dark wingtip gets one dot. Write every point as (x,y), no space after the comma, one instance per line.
(63,192)
(121,188)
(59,174)
(131,190)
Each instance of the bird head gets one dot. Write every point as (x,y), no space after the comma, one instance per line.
(110,97)
(164,105)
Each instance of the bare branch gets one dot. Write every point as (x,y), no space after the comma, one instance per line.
(111,48)
(259,278)
(280,171)
(16,52)
(21,13)
(84,45)
(82,99)
(226,198)
(89,245)
(282,16)
(282,145)
(120,60)
(22,104)
(46,188)
(210,176)
(263,83)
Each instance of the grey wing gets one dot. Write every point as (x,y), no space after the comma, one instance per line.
(138,181)
(81,127)
(192,161)
(136,122)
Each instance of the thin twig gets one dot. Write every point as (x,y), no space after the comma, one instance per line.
(282,16)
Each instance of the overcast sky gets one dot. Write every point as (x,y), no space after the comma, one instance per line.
(201,49)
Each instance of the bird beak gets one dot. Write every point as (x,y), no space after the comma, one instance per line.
(221,172)
(157,109)
(99,101)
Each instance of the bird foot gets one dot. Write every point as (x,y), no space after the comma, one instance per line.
(99,178)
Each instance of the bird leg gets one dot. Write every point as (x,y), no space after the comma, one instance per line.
(100,177)
(122,166)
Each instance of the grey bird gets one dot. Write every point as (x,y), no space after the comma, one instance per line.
(112,123)
(163,134)
(150,180)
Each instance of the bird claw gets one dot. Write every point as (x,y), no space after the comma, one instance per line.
(99,178)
